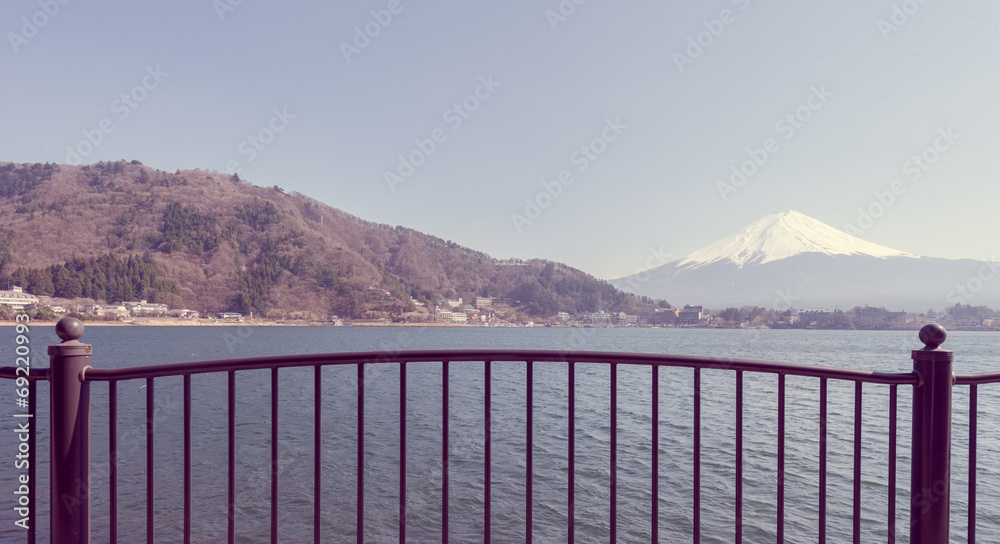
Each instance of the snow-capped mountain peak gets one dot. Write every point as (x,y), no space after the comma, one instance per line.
(782,235)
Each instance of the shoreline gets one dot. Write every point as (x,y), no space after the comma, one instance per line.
(201,322)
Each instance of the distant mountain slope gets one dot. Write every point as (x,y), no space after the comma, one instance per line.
(206,240)
(788,260)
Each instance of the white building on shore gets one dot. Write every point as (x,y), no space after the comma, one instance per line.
(16,298)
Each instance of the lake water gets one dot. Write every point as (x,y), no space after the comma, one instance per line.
(882,350)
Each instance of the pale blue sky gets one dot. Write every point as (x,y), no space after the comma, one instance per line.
(885,93)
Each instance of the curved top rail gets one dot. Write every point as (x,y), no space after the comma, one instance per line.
(977,378)
(650,359)
(34,374)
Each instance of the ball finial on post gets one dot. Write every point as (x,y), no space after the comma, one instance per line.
(69,328)
(932,335)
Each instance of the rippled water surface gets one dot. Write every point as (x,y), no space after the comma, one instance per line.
(887,351)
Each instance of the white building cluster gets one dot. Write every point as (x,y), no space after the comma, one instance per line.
(17,299)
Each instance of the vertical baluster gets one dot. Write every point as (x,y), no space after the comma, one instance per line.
(529,445)
(231,509)
(187,459)
(739,457)
(892,464)
(444,452)
(112,458)
(655,486)
(696,529)
(822,460)
(32,410)
(150,463)
(857,463)
(360,496)
(487,478)
(274,455)
(781,458)
(317,452)
(973,417)
(614,453)
(571,457)
(402,452)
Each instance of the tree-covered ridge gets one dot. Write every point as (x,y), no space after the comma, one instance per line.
(221,243)
(552,291)
(184,227)
(18,180)
(100,278)
(257,278)
(8,245)
(259,214)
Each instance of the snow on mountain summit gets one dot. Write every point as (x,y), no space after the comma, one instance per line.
(782,235)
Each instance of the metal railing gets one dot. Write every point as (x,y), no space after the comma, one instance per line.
(70,377)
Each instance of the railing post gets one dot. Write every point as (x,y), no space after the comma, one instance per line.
(70,438)
(930,480)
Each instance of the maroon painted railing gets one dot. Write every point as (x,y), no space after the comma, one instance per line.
(932,379)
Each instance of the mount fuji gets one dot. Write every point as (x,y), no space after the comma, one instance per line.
(789,260)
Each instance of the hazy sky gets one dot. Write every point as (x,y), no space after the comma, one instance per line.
(447,116)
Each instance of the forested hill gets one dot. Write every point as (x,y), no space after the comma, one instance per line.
(197,239)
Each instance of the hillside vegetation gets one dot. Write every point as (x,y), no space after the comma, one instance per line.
(209,241)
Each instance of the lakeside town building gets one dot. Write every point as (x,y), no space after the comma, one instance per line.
(17,299)
(143,308)
(690,315)
(868,318)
